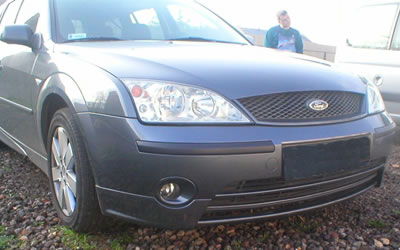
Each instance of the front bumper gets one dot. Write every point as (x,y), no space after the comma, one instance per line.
(129,161)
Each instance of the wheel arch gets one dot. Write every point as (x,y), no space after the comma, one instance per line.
(58,91)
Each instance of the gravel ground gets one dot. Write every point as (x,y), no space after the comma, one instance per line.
(28,221)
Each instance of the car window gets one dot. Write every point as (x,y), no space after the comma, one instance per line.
(192,23)
(10,14)
(138,20)
(29,13)
(371,26)
(149,17)
(396,37)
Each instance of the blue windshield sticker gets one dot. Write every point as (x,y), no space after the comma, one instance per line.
(77,36)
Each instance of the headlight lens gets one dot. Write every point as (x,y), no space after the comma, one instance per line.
(163,102)
(375,100)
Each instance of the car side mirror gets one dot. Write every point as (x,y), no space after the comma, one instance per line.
(22,35)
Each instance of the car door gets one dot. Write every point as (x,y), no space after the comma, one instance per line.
(390,87)
(370,50)
(6,103)
(17,83)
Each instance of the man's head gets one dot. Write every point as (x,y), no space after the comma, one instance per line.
(283,19)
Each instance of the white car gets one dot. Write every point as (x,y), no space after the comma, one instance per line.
(371,48)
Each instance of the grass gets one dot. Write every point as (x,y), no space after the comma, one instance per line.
(301,224)
(266,236)
(376,224)
(115,245)
(236,244)
(7,169)
(122,240)
(7,241)
(38,223)
(4,240)
(75,240)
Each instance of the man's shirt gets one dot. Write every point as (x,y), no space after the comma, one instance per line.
(282,39)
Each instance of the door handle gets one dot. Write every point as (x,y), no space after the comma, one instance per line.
(378,80)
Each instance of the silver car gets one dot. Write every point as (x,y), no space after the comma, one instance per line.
(161,113)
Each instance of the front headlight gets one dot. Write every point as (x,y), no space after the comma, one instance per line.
(375,100)
(164,102)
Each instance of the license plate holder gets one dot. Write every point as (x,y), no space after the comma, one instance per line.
(323,158)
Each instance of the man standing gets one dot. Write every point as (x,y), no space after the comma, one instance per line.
(283,37)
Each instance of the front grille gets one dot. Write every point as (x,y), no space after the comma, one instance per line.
(293,106)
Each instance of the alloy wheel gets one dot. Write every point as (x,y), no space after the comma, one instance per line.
(63,171)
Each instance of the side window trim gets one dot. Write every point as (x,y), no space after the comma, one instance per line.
(5,9)
(396,29)
(19,4)
(2,12)
(34,18)
(19,9)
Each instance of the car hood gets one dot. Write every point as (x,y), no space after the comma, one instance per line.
(233,70)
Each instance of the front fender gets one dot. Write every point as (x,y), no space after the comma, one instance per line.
(84,87)
(102,91)
(99,90)
(63,87)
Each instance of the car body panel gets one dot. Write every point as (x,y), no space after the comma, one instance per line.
(98,91)
(247,70)
(119,162)
(16,85)
(118,148)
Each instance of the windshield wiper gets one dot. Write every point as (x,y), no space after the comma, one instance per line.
(92,39)
(201,39)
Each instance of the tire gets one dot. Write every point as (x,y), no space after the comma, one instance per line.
(397,137)
(71,180)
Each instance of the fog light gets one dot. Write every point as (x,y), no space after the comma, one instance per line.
(170,191)
(175,191)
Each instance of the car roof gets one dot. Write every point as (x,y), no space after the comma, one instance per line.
(379,2)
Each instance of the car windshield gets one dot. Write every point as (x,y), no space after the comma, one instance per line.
(105,20)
